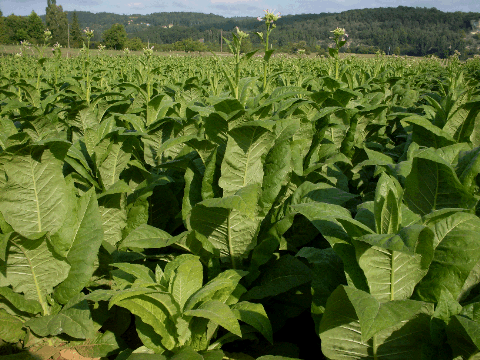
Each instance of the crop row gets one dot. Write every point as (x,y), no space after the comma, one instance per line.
(189,208)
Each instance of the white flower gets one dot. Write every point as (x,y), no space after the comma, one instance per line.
(88,32)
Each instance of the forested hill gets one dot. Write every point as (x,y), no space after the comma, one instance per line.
(403,30)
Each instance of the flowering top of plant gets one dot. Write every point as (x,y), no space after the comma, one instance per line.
(126,51)
(47,34)
(339,33)
(148,51)
(25,43)
(101,47)
(269,17)
(88,32)
(241,34)
(56,46)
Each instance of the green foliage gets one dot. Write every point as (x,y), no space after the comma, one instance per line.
(161,207)
(35,28)
(76,38)
(115,37)
(135,44)
(57,22)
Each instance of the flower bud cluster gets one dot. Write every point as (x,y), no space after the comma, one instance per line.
(339,33)
(241,34)
(148,51)
(88,33)
(47,35)
(270,17)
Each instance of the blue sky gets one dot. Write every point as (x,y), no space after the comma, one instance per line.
(228,8)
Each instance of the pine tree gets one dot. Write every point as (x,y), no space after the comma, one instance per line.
(57,22)
(35,28)
(76,39)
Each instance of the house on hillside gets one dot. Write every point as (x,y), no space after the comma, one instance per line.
(475,25)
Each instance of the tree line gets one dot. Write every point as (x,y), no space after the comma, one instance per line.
(401,30)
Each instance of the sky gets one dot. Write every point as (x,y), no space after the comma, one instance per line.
(229,8)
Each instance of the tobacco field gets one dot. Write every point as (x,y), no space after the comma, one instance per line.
(186,207)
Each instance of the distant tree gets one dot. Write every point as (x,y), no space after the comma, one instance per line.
(135,44)
(189,45)
(16,29)
(57,22)
(35,28)
(246,46)
(115,37)
(3,30)
(76,39)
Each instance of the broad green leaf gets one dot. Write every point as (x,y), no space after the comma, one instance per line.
(219,313)
(193,187)
(20,302)
(187,280)
(32,268)
(87,238)
(387,205)
(247,147)
(225,282)
(172,266)
(119,187)
(254,315)
(11,328)
(32,199)
(74,320)
(468,167)
(285,274)
(461,122)
(275,357)
(464,336)
(173,142)
(141,272)
(115,162)
(187,353)
(427,134)
(157,107)
(228,223)
(456,254)
(432,185)
(277,166)
(140,356)
(337,226)
(120,295)
(370,330)
(101,345)
(210,188)
(154,310)
(395,264)
(148,336)
(308,192)
(114,217)
(146,237)
(445,309)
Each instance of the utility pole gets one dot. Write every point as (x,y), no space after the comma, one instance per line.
(68,38)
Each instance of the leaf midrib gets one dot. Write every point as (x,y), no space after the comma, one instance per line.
(37,203)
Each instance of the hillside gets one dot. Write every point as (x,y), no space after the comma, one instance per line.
(401,30)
